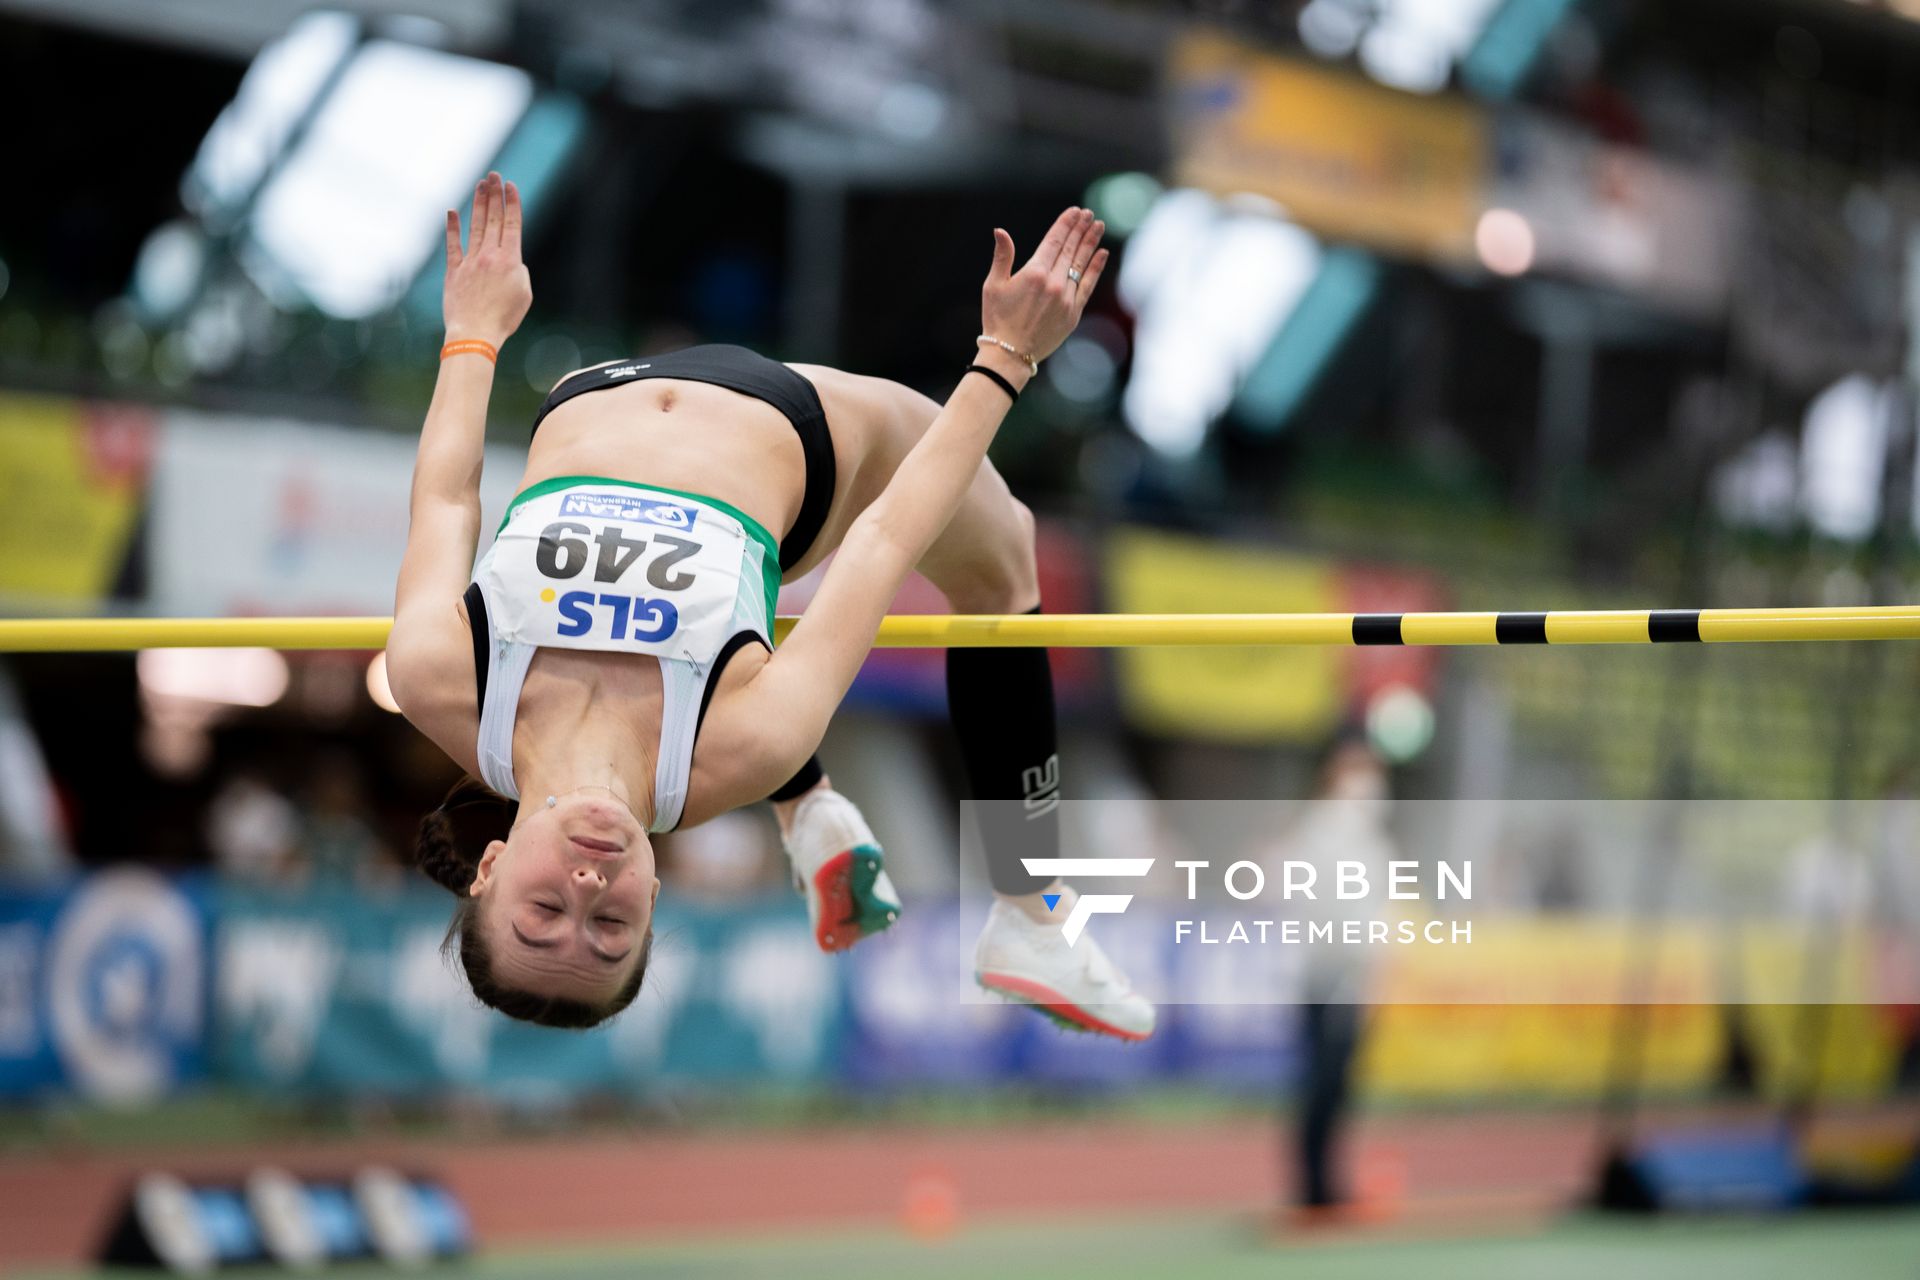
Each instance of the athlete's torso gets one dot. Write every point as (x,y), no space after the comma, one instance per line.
(598,566)
(706,440)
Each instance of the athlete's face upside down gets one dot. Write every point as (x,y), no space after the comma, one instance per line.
(555,922)
(563,908)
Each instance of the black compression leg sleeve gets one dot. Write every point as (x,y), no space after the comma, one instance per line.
(1001,704)
(802,782)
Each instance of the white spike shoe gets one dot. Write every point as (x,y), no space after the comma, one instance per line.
(1076,986)
(840,870)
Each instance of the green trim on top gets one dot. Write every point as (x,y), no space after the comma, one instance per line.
(769,562)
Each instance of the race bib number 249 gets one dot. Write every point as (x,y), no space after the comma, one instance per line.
(616,554)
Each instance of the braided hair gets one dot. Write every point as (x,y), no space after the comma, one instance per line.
(452,837)
(448,849)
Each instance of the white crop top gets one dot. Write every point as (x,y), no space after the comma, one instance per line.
(583,562)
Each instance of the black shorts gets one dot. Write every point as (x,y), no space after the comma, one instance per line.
(749,373)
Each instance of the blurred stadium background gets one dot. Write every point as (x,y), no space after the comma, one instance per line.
(1420,304)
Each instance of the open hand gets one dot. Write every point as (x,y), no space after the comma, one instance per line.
(488,290)
(1036,307)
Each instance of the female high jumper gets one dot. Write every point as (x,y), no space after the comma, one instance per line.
(608,664)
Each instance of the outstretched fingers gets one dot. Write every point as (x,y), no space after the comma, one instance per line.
(1047,256)
(510,226)
(1072,253)
(453,239)
(477,221)
(496,209)
(1091,280)
(1089,243)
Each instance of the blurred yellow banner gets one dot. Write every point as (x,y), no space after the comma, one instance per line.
(1564,1045)
(72,477)
(1253,694)
(1346,158)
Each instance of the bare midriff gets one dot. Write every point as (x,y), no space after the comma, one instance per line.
(691,436)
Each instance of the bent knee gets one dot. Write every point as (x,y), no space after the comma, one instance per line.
(1002,577)
(1023,523)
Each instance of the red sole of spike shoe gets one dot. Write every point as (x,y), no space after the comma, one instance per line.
(848,912)
(1054,1005)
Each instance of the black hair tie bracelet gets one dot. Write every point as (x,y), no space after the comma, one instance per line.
(1003,384)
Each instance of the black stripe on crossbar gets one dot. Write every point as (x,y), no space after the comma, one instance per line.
(1668,626)
(1520,628)
(1376,628)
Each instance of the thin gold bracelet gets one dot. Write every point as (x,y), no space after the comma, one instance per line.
(1033,365)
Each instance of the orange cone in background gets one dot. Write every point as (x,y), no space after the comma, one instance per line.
(931,1208)
(1379,1183)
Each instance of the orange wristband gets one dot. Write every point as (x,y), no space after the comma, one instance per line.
(471,346)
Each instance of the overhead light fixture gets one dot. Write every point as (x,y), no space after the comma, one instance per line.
(1343,290)
(230,677)
(1505,50)
(276,94)
(1210,284)
(358,206)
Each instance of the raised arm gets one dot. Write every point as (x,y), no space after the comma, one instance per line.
(486,296)
(1033,310)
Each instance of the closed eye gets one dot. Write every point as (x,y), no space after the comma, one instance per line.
(541,943)
(544,944)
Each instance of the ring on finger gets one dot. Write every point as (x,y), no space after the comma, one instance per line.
(1074,274)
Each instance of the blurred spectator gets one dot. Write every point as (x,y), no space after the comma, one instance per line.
(1897,902)
(253,831)
(338,843)
(1346,823)
(33,830)
(1560,884)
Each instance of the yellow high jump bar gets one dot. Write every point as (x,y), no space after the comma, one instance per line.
(1076,630)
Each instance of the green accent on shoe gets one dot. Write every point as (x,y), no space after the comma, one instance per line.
(875,914)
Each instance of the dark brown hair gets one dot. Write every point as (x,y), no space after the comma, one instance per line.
(448,850)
